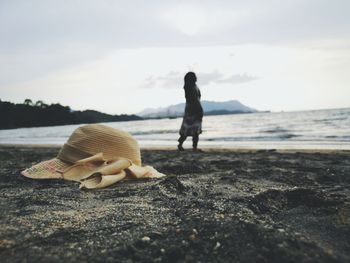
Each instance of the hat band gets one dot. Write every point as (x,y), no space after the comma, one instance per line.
(98,172)
(71,154)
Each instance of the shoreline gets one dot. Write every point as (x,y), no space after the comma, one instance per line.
(204,149)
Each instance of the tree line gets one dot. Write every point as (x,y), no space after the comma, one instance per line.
(30,114)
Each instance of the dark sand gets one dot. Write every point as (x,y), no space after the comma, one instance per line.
(215,206)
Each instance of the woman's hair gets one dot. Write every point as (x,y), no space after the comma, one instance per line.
(190,78)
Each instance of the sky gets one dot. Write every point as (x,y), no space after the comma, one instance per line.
(124,56)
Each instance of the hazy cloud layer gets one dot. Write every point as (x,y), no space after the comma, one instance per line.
(174,79)
(217,77)
(38,37)
(37,23)
(238,78)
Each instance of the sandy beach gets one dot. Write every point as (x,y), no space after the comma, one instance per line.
(213,206)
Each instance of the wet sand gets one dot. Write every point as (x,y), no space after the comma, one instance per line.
(213,206)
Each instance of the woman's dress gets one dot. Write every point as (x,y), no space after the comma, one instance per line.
(192,120)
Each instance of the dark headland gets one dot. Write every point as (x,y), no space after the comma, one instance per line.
(215,206)
(38,114)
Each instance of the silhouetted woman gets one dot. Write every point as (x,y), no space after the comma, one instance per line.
(192,120)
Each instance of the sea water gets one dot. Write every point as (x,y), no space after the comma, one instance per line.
(317,129)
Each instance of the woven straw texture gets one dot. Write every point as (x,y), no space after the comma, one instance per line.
(86,141)
(46,170)
(96,138)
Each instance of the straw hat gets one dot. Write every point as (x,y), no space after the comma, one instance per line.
(96,156)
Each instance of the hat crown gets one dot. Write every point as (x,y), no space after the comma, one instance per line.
(95,138)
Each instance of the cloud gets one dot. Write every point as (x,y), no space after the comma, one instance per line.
(205,78)
(218,78)
(174,79)
(238,78)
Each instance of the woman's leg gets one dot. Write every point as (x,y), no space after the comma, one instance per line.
(181,141)
(195,139)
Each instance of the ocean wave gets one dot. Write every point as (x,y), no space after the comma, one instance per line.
(154,132)
(255,138)
(338,138)
(328,120)
(288,136)
(275,130)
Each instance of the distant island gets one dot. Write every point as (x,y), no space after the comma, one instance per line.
(29,114)
(209,107)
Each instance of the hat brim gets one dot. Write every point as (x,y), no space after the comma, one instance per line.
(55,169)
(46,170)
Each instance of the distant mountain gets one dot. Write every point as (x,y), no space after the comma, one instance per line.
(209,107)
